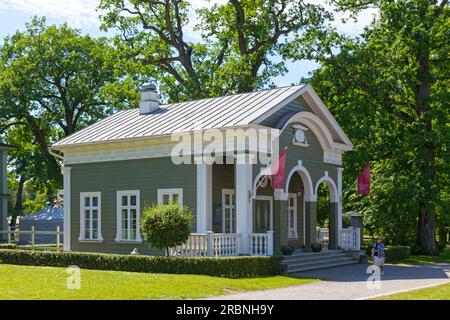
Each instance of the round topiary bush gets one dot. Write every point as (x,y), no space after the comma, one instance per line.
(165,226)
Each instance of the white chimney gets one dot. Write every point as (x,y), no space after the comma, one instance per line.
(149,99)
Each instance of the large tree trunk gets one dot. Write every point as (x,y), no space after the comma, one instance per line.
(426,236)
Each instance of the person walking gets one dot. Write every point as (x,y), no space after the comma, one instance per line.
(378,254)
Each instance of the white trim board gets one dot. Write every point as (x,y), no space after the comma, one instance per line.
(170,192)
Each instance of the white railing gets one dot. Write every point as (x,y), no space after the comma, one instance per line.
(208,245)
(350,238)
(261,244)
(196,245)
(224,244)
(323,235)
(15,234)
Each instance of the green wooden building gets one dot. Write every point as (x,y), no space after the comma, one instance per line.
(112,169)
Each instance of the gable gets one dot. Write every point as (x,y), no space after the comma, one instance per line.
(306,100)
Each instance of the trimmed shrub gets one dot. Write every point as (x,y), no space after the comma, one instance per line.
(393,253)
(233,267)
(166,226)
(7,246)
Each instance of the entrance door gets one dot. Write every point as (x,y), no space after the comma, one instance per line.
(262,214)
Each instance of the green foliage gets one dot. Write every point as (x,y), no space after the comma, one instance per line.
(165,226)
(54,81)
(323,206)
(7,246)
(235,267)
(389,89)
(235,51)
(395,253)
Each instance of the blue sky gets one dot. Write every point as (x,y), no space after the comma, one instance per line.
(82,14)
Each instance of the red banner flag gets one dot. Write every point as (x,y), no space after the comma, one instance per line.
(278,171)
(364,181)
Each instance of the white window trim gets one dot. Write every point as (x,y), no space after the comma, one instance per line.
(267,198)
(171,192)
(230,192)
(119,195)
(84,195)
(294,196)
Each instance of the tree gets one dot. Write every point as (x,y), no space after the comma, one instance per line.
(390,90)
(54,81)
(166,226)
(239,41)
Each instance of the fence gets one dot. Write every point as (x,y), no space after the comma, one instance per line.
(261,244)
(15,234)
(223,245)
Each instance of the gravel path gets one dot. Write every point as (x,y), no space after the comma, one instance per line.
(350,282)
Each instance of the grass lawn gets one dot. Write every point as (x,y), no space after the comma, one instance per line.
(444,257)
(441,292)
(28,282)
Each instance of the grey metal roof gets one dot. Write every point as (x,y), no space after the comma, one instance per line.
(222,112)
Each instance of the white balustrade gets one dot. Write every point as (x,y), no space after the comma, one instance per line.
(208,245)
(261,244)
(196,245)
(350,238)
(323,235)
(225,244)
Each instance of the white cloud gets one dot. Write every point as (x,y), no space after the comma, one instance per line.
(78,13)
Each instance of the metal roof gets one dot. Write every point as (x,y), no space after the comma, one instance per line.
(214,113)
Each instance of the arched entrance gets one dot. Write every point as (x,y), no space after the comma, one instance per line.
(327,209)
(295,211)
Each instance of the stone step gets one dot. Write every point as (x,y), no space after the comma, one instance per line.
(289,259)
(322,266)
(293,265)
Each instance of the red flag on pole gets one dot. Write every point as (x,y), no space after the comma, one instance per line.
(278,171)
(364,181)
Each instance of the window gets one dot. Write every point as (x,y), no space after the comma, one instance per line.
(228,211)
(292,216)
(128,216)
(90,216)
(165,196)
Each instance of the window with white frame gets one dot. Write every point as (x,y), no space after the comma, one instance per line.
(292,216)
(90,216)
(229,211)
(168,195)
(128,216)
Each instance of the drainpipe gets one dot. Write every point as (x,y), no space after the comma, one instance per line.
(60,157)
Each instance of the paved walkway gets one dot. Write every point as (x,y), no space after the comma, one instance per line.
(350,282)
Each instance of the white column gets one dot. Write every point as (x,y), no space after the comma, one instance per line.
(67,232)
(339,187)
(204,198)
(244,217)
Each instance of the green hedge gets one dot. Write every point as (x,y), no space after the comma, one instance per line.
(7,246)
(393,253)
(235,267)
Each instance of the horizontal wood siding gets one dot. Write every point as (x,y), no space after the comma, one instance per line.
(146,175)
(311,156)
